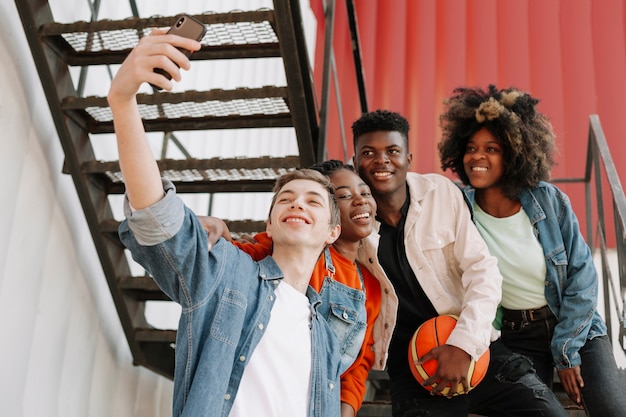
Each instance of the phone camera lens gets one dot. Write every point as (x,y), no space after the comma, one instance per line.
(180,22)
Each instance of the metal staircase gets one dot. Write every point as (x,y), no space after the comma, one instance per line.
(59,49)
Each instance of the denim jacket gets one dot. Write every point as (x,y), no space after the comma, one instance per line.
(226,300)
(571,287)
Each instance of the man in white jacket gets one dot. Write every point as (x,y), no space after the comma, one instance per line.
(439,264)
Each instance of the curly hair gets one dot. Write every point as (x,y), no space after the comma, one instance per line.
(380,120)
(510,115)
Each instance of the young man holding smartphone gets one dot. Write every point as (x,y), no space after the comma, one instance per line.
(250,341)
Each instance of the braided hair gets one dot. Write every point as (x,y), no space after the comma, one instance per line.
(330,166)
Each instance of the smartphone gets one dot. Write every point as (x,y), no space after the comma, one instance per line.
(188,27)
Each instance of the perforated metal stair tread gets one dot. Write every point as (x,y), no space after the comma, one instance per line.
(203,175)
(190,110)
(238,34)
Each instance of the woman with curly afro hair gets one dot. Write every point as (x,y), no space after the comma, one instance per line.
(502,150)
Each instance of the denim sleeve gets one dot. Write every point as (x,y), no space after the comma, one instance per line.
(579,284)
(167,240)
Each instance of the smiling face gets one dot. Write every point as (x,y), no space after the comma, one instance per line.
(483,160)
(356,205)
(301,215)
(382,160)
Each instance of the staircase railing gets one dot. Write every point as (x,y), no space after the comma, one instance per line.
(601,183)
(329,73)
(601,176)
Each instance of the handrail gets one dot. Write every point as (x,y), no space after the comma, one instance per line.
(327,68)
(330,71)
(599,165)
(356,52)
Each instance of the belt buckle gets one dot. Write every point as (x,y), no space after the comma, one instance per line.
(531,315)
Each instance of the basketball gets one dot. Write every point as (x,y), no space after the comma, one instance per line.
(432,333)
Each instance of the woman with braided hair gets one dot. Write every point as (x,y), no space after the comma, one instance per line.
(502,149)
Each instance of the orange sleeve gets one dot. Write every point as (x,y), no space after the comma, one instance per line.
(258,250)
(354,378)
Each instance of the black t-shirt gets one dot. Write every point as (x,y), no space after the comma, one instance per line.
(414,307)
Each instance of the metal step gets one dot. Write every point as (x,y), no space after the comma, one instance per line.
(215,175)
(375,409)
(237,228)
(229,35)
(142,288)
(191,110)
(155,335)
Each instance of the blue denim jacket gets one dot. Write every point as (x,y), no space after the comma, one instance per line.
(571,276)
(226,300)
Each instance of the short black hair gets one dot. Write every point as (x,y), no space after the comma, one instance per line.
(380,120)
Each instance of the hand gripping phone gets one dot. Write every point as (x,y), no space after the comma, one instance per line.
(188,27)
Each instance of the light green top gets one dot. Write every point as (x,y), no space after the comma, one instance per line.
(520,258)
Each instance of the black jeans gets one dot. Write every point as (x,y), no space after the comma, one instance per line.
(532,339)
(604,393)
(511,388)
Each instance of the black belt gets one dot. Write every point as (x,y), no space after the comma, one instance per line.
(532,314)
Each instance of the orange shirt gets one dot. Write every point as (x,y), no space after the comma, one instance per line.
(354,378)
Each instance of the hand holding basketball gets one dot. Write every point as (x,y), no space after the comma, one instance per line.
(433,334)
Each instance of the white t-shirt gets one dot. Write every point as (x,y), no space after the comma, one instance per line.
(277,378)
(520,258)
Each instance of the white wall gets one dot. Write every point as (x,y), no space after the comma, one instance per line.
(62,350)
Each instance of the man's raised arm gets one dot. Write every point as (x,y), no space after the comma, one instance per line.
(137,163)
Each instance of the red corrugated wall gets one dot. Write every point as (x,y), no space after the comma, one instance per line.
(569,53)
